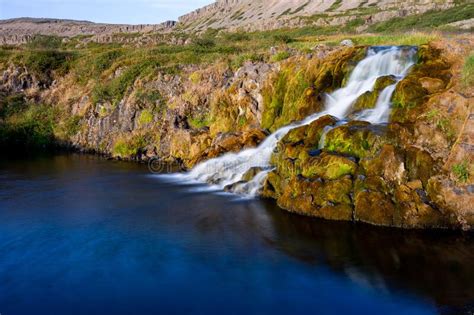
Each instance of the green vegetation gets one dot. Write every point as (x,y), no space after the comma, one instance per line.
(282,55)
(461,171)
(335,5)
(199,121)
(146,117)
(426,21)
(45,42)
(129,147)
(468,71)
(43,62)
(31,127)
(115,89)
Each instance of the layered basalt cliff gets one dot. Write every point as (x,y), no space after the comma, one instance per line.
(415,171)
(23,30)
(264,14)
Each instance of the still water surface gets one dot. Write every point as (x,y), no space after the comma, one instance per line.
(81,235)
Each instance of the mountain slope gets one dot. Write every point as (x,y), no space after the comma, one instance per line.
(272,14)
(21,30)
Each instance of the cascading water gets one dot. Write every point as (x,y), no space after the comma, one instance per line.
(230,168)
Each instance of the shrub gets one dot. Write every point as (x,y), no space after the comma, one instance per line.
(128,147)
(115,89)
(12,104)
(43,62)
(32,128)
(236,37)
(282,38)
(105,60)
(45,42)
(204,42)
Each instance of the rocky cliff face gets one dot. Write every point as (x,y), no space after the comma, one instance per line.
(272,14)
(22,30)
(415,171)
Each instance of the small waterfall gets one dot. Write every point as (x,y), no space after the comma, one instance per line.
(230,168)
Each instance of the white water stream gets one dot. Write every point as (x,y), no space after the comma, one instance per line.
(231,167)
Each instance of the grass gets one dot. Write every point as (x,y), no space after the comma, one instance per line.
(411,39)
(461,171)
(45,42)
(426,21)
(282,55)
(468,71)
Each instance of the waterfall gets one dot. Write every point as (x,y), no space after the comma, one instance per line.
(230,168)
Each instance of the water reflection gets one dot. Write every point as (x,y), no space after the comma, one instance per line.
(82,227)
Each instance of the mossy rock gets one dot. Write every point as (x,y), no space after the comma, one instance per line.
(368,100)
(333,192)
(356,138)
(388,163)
(328,166)
(430,75)
(272,186)
(328,200)
(310,134)
(251,173)
(420,165)
(375,208)
(297,90)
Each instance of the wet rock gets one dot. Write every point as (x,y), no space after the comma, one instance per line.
(328,166)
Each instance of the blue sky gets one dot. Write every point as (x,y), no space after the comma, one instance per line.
(107,11)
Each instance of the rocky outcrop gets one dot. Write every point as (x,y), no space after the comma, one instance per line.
(264,14)
(414,172)
(23,30)
(402,174)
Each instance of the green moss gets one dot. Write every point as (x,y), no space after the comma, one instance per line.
(461,171)
(274,96)
(329,167)
(129,147)
(195,77)
(199,121)
(369,99)
(296,90)
(146,117)
(357,139)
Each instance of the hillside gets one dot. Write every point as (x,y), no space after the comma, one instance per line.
(22,30)
(321,16)
(272,14)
